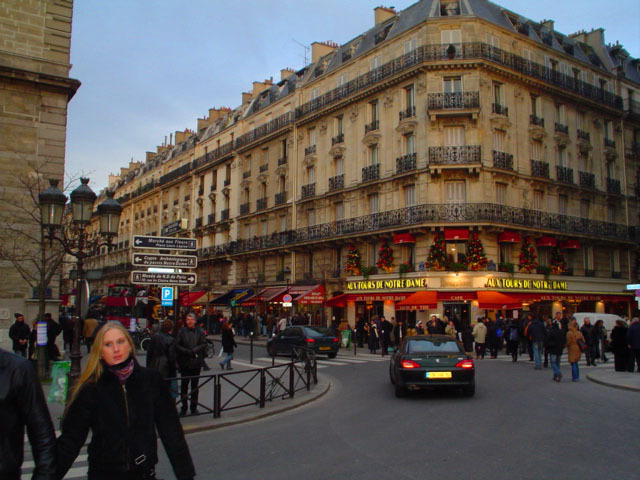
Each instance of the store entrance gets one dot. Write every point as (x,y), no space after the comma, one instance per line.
(369,310)
(458,312)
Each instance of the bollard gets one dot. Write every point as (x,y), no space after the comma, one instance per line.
(251,348)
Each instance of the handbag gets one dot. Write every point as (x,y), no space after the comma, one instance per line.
(581,345)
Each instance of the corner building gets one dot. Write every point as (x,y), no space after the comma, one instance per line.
(425,152)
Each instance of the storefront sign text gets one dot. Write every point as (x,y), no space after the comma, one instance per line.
(388,284)
(521,284)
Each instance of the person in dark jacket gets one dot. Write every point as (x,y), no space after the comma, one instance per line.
(512,336)
(601,341)
(588,332)
(53,330)
(123,404)
(19,334)
(556,341)
(22,404)
(228,345)
(492,338)
(633,341)
(161,353)
(435,326)
(536,332)
(373,336)
(385,332)
(399,332)
(619,347)
(191,346)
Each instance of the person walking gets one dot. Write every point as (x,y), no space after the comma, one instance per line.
(601,340)
(374,337)
(19,334)
(633,341)
(161,354)
(556,341)
(123,404)
(513,339)
(450,330)
(573,349)
(191,346)
(479,333)
(620,348)
(228,345)
(89,330)
(492,338)
(53,330)
(22,405)
(537,332)
(399,332)
(588,332)
(385,334)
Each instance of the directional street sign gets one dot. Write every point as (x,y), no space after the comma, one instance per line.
(167,296)
(156,260)
(164,243)
(155,278)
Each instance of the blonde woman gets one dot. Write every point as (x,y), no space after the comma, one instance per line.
(122,404)
(573,349)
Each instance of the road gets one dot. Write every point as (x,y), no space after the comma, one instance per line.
(520,425)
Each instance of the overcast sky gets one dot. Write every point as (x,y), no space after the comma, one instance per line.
(151,67)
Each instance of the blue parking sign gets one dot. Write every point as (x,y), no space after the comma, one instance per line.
(167,296)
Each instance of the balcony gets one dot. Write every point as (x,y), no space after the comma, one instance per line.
(370,173)
(201,190)
(460,155)
(244,208)
(609,143)
(582,135)
(561,128)
(227,182)
(337,139)
(224,215)
(281,197)
(198,222)
(453,100)
(370,127)
(406,163)
(211,218)
(264,168)
(587,180)
(535,120)
(310,150)
(246,174)
(499,109)
(613,186)
(539,169)
(261,204)
(502,160)
(212,188)
(308,190)
(565,174)
(408,113)
(282,161)
(336,183)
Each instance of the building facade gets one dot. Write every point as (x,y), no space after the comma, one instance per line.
(455,148)
(35,88)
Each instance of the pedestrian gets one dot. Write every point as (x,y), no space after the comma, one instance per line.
(374,337)
(467,337)
(123,404)
(19,333)
(282,324)
(512,335)
(450,329)
(360,331)
(573,349)
(89,330)
(492,338)
(620,348)
(633,341)
(191,346)
(435,326)
(547,328)
(53,330)
(588,332)
(22,405)
(161,355)
(385,332)
(601,340)
(526,336)
(399,332)
(479,334)
(419,328)
(67,331)
(228,345)
(556,341)
(536,331)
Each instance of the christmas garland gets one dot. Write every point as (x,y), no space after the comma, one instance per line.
(385,257)
(558,263)
(476,258)
(353,261)
(437,258)
(528,257)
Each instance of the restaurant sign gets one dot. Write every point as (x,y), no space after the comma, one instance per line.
(398,283)
(520,284)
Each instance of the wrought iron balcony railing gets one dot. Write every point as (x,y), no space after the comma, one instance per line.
(503,160)
(565,174)
(539,169)
(308,190)
(459,155)
(224,215)
(582,135)
(336,183)
(609,143)
(261,204)
(406,163)
(587,180)
(370,127)
(246,174)
(244,208)
(408,112)
(198,222)
(372,172)
(213,187)
(310,150)
(281,197)
(561,128)
(613,186)
(227,182)
(264,168)
(535,120)
(499,109)
(337,139)
(211,218)
(282,161)
(453,100)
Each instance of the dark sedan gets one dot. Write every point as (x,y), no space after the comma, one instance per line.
(319,339)
(431,362)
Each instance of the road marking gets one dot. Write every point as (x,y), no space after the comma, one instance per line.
(32,464)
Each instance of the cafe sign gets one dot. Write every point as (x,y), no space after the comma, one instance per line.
(521,284)
(392,284)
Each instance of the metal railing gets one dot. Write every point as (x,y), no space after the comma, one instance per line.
(408,112)
(261,204)
(535,120)
(582,135)
(561,128)
(310,150)
(503,160)
(336,183)
(565,174)
(609,143)
(462,154)
(453,100)
(281,197)
(282,161)
(587,180)
(613,186)
(244,208)
(406,163)
(499,109)
(539,169)
(308,190)
(337,139)
(370,127)
(370,173)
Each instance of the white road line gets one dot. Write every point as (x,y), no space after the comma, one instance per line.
(330,362)
(32,464)
(77,472)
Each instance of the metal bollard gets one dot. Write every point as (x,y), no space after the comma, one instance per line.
(251,348)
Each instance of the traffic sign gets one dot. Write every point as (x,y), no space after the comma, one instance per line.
(167,296)
(156,278)
(156,260)
(164,243)
(633,286)
(287,298)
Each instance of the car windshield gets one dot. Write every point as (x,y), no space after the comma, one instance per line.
(432,346)
(317,332)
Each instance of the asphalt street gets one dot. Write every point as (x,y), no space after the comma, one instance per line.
(520,424)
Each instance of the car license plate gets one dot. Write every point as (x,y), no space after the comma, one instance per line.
(325,348)
(438,374)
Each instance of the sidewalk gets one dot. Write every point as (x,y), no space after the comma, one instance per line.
(611,378)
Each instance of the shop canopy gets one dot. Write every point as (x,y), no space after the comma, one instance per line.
(338,300)
(341,300)
(422,300)
(237,294)
(401,238)
(570,245)
(308,295)
(190,298)
(546,242)
(268,295)
(497,301)
(454,234)
(509,236)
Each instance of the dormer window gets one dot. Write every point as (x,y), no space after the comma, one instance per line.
(449,8)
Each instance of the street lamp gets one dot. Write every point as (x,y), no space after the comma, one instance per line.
(77,242)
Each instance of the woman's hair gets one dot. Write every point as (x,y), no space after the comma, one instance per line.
(167,326)
(93,369)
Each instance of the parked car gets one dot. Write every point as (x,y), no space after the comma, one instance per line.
(431,362)
(319,339)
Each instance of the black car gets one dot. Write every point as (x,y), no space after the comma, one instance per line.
(431,362)
(319,339)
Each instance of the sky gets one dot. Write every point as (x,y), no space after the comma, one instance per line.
(151,67)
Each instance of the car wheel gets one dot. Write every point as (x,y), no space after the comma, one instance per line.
(400,391)
(469,390)
(332,355)
(271,350)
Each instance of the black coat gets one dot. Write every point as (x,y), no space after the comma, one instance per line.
(619,344)
(228,343)
(22,404)
(123,420)
(191,347)
(588,332)
(19,331)
(556,340)
(161,354)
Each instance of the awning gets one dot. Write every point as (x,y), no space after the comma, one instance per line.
(401,238)
(237,294)
(308,295)
(341,300)
(456,234)
(570,245)
(496,300)
(454,296)
(509,236)
(572,296)
(546,242)
(189,298)
(338,301)
(422,300)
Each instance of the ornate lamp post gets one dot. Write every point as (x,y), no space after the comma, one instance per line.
(77,242)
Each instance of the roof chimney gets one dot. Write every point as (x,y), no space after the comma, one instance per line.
(286,73)
(320,49)
(382,14)
(547,24)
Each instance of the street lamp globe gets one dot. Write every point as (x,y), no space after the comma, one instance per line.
(52,202)
(109,212)
(82,199)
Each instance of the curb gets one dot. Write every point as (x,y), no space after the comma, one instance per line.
(612,385)
(189,429)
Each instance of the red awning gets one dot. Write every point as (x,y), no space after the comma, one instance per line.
(456,234)
(570,245)
(338,301)
(401,238)
(546,242)
(497,301)
(249,302)
(452,296)
(309,295)
(509,236)
(422,300)
(270,294)
(189,298)
(558,297)
(341,300)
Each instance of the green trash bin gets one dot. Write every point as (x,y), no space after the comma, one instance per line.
(59,382)
(346,338)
